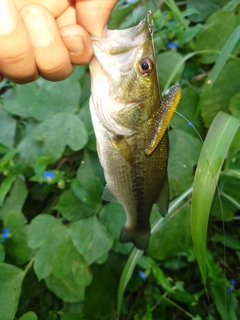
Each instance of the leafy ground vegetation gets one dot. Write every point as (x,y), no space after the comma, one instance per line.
(59,251)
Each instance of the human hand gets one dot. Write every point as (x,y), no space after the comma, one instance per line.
(46,37)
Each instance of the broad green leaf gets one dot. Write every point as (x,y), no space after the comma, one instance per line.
(39,230)
(89,192)
(101,294)
(90,167)
(29,316)
(230,5)
(45,235)
(176,227)
(166,62)
(16,246)
(63,129)
(216,32)
(16,198)
(68,260)
(224,88)
(90,238)
(66,288)
(6,186)
(188,108)
(213,153)
(71,208)
(43,99)
(234,105)
(183,156)
(227,240)
(113,217)
(11,279)
(204,8)
(7,129)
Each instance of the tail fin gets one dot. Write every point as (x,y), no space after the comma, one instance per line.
(139,239)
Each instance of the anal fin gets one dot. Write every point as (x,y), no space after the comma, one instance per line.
(108,195)
(162,118)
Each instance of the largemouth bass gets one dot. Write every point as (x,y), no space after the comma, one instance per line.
(130,122)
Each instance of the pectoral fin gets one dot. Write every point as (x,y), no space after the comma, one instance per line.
(163,199)
(162,119)
(123,148)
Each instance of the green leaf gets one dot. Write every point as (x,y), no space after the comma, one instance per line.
(7,129)
(29,316)
(204,8)
(188,108)
(167,62)
(16,198)
(11,279)
(90,238)
(183,156)
(67,260)
(71,208)
(161,245)
(43,99)
(113,217)
(17,246)
(219,94)
(66,288)
(45,235)
(234,105)
(101,294)
(215,34)
(63,129)
(90,167)
(6,185)
(213,153)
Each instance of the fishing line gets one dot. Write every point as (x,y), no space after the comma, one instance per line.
(220,203)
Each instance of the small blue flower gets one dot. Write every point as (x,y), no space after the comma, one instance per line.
(230,289)
(190,124)
(6,234)
(142,275)
(172,45)
(49,175)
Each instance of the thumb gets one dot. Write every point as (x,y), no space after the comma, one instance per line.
(93,15)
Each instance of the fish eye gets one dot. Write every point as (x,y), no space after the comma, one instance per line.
(145,67)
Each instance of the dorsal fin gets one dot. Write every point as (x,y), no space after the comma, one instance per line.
(162,118)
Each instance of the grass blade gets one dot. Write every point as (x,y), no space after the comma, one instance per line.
(210,162)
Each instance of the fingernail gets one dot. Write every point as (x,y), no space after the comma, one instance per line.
(7,17)
(74,44)
(39,27)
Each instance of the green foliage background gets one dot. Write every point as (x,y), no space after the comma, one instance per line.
(60,257)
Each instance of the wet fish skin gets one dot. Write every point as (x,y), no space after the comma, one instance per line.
(124,105)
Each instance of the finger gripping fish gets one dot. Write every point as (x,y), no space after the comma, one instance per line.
(130,122)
